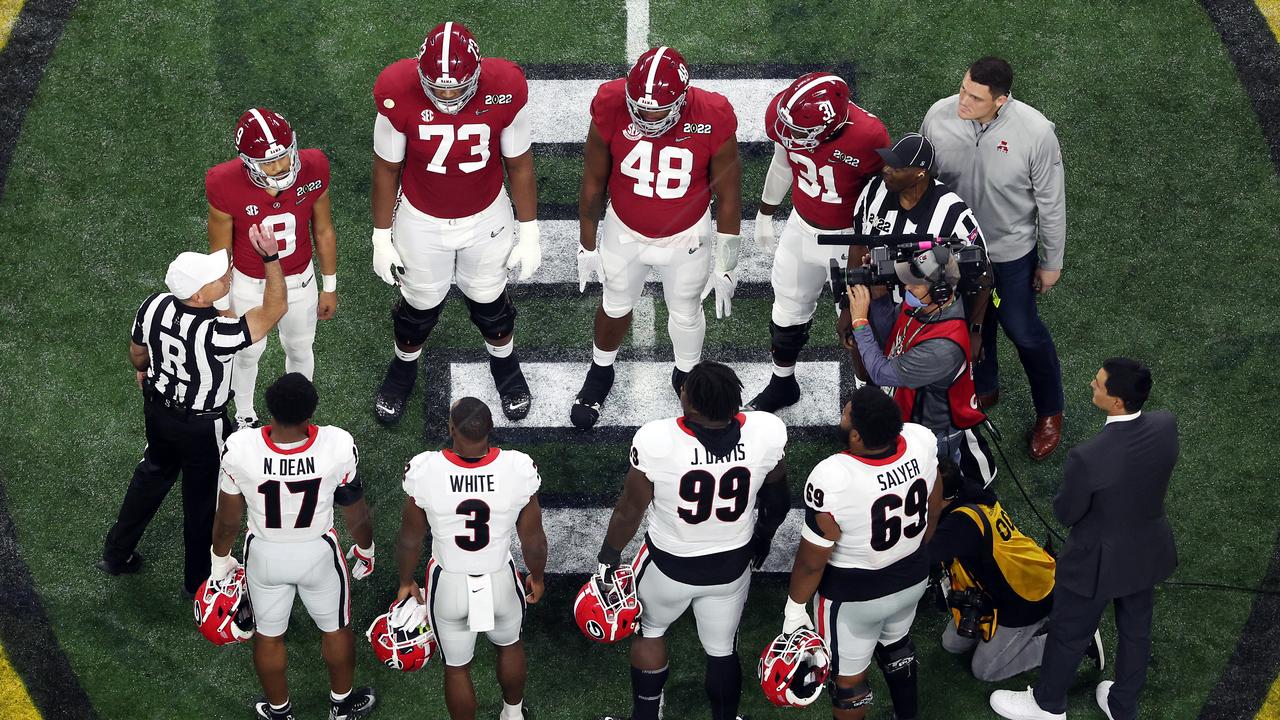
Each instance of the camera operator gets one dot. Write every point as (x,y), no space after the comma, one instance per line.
(1001,582)
(925,363)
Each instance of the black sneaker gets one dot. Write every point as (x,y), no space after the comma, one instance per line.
(1093,650)
(677,380)
(128,567)
(586,408)
(262,710)
(779,393)
(512,387)
(389,404)
(356,705)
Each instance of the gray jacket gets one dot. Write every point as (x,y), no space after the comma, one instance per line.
(1010,174)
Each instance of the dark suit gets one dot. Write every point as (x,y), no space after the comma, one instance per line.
(1120,547)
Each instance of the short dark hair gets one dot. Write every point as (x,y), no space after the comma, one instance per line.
(1128,380)
(714,390)
(471,419)
(292,399)
(875,416)
(994,72)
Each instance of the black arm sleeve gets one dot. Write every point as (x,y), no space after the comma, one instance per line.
(348,494)
(774,501)
(955,537)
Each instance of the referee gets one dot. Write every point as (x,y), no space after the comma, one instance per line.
(182,350)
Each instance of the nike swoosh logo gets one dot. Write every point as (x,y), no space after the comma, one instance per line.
(494,234)
(474,592)
(693,250)
(686,137)
(483,111)
(385,408)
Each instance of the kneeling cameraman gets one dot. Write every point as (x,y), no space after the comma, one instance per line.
(1000,587)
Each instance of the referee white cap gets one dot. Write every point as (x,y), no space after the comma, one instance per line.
(191,271)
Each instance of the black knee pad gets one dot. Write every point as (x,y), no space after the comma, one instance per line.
(896,659)
(414,325)
(495,319)
(788,341)
(858,696)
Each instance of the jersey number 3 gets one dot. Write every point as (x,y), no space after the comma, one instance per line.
(886,525)
(478,524)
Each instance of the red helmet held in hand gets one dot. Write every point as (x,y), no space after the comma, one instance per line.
(401,637)
(222,610)
(608,611)
(793,668)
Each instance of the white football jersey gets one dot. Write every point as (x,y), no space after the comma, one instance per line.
(472,506)
(703,504)
(881,506)
(288,490)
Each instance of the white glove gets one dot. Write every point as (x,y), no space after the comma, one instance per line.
(588,262)
(794,617)
(361,561)
(727,247)
(527,252)
(221,567)
(407,614)
(386,261)
(724,284)
(223,303)
(766,241)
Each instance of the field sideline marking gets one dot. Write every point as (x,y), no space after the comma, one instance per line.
(14,697)
(1271,11)
(9,10)
(637,29)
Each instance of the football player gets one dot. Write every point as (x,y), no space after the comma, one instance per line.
(448,125)
(699,476)
(868,511)
(274,182)
(824,153)
(289,475)
(472,497)
(659,149)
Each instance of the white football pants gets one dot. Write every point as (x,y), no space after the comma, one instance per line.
(297,332)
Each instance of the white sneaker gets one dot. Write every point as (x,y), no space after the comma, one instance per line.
(1022,705)
(1103,694)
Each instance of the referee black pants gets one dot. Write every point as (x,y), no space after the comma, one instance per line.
(176,442)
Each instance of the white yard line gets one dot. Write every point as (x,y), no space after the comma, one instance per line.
(637,29)
(642,319)
(642,391)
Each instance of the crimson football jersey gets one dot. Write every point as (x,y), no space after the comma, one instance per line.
(662,186)
(229,189)
(827,180)
(453,163)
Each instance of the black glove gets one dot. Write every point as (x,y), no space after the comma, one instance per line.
(608,559)
(760,544)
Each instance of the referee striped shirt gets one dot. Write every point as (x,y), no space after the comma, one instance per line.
(939,212)
(190,351)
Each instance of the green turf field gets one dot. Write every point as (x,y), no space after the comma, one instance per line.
(1172,204)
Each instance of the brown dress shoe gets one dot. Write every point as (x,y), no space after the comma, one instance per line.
(1045,436)
(991,399)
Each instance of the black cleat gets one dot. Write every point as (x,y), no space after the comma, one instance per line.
(512,387)
(1093,651)
(779,393)
(262,710)
(677,380)
(586,408)
(358,704)
(389,404)
(128,567)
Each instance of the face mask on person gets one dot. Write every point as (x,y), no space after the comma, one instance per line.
(911,300)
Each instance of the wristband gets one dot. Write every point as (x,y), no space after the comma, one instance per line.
(329,283)
(273,257)
(380,234)
(860,323)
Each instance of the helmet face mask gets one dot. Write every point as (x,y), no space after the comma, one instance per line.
(657,83)
(449,63)
(263,138)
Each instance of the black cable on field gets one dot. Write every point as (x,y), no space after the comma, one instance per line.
(995,438)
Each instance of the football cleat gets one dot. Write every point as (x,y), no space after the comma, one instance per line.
(394,393)
(586,407)
(677,380)
(128,567)
(793,668)
(779,393)
(262,710)
(608,611)
(356,705)
(512,387)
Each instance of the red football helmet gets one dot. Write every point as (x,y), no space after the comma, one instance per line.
(222,609)
(658,81)
(448,61)
(811,110)
(406,645)
(608,611)
(264,137)
(793,668)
